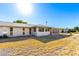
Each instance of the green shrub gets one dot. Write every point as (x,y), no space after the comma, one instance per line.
(0,36)
(5,36)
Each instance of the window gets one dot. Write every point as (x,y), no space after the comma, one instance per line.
(11,30)
(23,29)
(41,29)
(34,29)
(23,33)
(47,29)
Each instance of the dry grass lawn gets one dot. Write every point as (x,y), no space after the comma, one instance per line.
(64,47)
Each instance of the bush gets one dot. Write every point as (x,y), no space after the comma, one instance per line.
(76,28)
(5,36)
(0,36)
(71,30)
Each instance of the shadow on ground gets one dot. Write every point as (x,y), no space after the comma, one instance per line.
(43,39)
(47,39)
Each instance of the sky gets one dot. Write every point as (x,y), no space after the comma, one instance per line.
(64,15)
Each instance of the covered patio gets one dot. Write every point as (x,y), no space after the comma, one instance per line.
(39,31)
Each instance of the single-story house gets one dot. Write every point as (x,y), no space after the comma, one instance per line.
(18,29)
(56,30)
(65,30)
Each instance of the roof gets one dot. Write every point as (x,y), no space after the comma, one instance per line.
(57,28)
(19,24)
(39,25)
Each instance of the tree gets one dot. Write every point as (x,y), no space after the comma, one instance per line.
(71,30)
(19,21)
(76,28)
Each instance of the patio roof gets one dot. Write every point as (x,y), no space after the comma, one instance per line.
(39,25)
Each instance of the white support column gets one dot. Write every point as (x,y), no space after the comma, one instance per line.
(44,29)
(37,30)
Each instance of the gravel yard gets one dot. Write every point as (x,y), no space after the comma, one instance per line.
(64,47)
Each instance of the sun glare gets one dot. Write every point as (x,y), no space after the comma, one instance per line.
(24,8)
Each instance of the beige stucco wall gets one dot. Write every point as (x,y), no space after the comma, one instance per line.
(16,31)
(4,30)
(42,33)
(19,31)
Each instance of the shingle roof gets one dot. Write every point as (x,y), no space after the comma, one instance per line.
(19,24)
(15,24)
